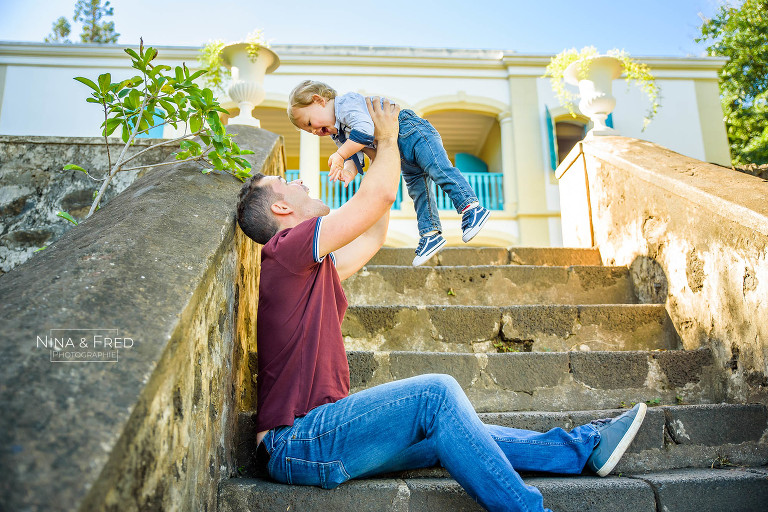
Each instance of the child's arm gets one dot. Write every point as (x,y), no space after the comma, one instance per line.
(346,172)
(337,162)
(346,150)
(349,148)
(349,169)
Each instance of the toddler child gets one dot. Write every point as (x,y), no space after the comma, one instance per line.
(316,108)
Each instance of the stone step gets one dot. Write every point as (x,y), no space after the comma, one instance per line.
(671,437)
(509,328)
(682,490)
(554,381)
(489,285)
(470,256)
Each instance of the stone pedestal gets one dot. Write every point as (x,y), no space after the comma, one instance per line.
(247,86)
(594,77)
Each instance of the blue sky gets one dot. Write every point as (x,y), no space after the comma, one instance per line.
(647,27)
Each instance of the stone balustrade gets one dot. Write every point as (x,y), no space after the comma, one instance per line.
(689,230)
(164,265)
(34,187)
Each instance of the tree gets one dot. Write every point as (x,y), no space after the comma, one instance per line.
(59,31)
(90,13)
(740,32)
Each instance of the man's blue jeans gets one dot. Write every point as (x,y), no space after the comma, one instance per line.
(421,422)
(423,159)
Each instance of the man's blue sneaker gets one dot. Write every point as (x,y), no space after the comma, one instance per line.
(616,434)
(428,247)
(473,221)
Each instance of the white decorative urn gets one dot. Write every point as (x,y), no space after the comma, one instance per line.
(595,78)
(247,86)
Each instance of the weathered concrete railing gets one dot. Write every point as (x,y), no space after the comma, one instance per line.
(692,232)
(33,187)
(164,268)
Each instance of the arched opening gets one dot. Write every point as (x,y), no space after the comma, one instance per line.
(569,132)
(564,131)
(472,141)
(474,136)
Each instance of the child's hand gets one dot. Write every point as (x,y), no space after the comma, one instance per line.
(336,165)
(348,173)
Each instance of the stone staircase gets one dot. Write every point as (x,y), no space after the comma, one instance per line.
(538,338)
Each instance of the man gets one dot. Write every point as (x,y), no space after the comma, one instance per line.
(312,432)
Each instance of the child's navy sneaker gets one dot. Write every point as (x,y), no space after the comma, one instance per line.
(428,247)
(615,436)
(473,221)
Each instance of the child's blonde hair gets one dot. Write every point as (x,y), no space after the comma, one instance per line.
(301,95)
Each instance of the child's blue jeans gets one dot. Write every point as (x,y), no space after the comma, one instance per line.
(423,158)
(421,422)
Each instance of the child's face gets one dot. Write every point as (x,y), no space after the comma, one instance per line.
(318,118)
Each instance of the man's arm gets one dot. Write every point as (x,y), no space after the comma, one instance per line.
(351,257)
(366,209)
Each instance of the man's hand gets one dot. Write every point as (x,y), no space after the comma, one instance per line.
(385,120)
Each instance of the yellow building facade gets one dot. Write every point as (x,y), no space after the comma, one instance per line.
(490,106)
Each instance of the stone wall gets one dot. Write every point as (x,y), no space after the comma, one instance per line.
(165,264)
(34,187)
(690,231)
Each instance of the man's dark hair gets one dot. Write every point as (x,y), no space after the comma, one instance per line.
(254,213)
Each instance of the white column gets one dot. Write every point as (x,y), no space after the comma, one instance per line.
(508,162)
(309,162)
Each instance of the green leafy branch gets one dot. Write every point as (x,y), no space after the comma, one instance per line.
(155,98)
(739,31)
(255,41)
(211,61)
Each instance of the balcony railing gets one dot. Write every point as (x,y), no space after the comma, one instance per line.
(487,186)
